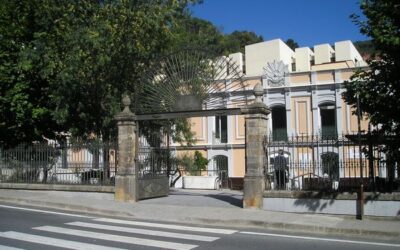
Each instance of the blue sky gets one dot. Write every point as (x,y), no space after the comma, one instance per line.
(308,22)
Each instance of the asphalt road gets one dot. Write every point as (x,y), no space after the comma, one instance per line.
(28,228)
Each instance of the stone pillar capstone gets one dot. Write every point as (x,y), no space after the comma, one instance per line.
(126,177)
(256,130)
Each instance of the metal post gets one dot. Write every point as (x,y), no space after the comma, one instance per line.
(359,136)
(360,201)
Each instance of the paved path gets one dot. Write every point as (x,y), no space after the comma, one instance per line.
(220,208)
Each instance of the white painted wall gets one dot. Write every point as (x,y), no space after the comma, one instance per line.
(199,182)
(237,60)
(303,58)
(323,53)
(327,206)
(258,54)
(345,51)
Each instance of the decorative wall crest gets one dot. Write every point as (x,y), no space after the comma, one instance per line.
(275,73)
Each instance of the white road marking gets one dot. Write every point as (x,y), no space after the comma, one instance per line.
(323,239)
(53,242)
(2,247)
(46,211)
(168,226)
(117,238)
(144,231)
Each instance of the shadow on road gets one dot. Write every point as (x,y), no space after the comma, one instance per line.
(235,200)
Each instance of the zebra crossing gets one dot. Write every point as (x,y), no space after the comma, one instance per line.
(117,234)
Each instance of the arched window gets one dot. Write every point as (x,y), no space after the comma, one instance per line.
(221,165)
(330,165)
(279,130)
(327,113)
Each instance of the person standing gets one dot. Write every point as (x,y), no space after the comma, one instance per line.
(280,166)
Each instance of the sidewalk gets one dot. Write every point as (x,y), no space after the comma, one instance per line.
(219,208)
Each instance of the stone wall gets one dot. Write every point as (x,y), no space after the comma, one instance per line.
(375,204)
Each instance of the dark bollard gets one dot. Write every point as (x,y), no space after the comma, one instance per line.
(360,203)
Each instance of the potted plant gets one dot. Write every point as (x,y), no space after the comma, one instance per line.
(194,165)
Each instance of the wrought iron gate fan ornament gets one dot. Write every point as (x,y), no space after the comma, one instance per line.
(191,80)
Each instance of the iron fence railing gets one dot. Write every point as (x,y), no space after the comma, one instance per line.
(73,163)
(337,162)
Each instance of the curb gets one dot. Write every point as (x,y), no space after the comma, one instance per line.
(57,187)
(296,228)
(62,206)
(288,227)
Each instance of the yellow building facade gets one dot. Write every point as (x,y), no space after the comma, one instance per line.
(303,89)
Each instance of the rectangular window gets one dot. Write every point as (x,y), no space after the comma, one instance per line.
(221,129)
(279,130)
(328,121)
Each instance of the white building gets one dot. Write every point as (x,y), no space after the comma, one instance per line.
(304,90)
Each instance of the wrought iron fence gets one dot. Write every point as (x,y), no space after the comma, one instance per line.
(334,162)
(72,163)
(153,154)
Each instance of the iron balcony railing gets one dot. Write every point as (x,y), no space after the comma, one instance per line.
(279,134)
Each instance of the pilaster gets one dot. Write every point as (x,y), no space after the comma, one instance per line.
(256,130)
(126,178)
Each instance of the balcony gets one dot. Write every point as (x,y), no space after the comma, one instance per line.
(329,133)
(279,134)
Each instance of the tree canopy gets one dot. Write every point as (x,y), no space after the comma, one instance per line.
(378,86)
(292,44)
(64,65)
(25,109)
(237,40)
(366,48)
(195,32)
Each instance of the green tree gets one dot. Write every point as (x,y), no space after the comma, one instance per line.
(192,32)
(64,65)
(198,33)
(366,48)
(193,164)
(111,45)
(237,40)
(378,87)
(25,111)
(200,161)
(292,44)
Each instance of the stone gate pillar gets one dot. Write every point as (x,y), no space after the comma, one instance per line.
(256,129)
(126,177)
